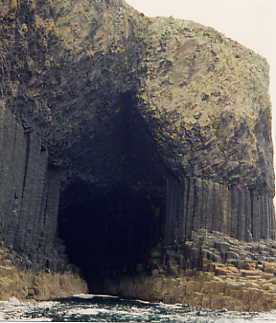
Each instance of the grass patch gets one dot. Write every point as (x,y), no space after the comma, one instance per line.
(25,284)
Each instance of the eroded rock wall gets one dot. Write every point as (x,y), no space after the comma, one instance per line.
(195,204)
(205,100)
(81,81)
(29,189)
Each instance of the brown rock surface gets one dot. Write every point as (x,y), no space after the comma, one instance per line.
(224,287)
(150,128)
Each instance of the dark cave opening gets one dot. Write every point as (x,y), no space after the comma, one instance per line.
(109,233)
(110,226)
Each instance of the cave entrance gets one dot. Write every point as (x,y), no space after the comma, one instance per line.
(111,224)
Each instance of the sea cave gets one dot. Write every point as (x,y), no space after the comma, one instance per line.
(110,222)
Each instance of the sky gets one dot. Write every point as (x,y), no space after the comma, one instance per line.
(250,22)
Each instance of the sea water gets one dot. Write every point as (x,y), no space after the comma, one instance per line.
(102,308)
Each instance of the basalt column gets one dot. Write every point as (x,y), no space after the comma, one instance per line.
(195,203)
(29,194)
(155,124)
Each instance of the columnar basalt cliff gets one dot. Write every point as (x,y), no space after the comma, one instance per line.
(122,134)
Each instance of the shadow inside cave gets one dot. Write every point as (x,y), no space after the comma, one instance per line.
(110,226)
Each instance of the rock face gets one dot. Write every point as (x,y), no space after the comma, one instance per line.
(121,133)
(29,191)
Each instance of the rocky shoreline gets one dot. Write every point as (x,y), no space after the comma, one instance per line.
(225,287)
(230,274)
(28,284)
(121,136)
(216,247)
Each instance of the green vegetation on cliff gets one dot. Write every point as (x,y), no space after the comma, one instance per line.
(123,135)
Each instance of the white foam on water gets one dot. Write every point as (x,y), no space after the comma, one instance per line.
(91,296)
(257,318)
(86,311)
(16,310)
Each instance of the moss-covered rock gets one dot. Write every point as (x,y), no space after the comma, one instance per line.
(152,127)
(204,97)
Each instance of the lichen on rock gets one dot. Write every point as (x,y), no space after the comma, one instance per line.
(121,130)
(209,94)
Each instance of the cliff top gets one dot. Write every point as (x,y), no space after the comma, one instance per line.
(203,96)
